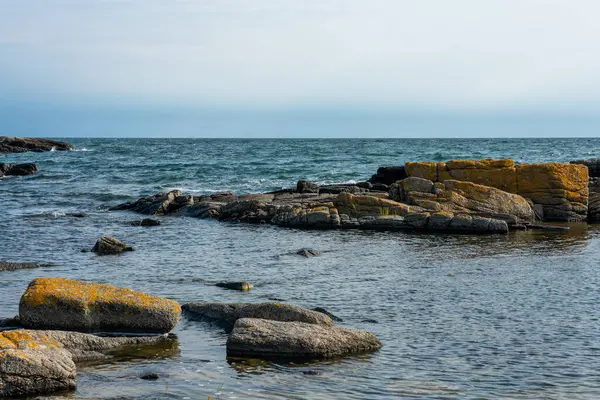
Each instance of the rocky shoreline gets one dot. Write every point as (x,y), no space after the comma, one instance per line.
(21,145)
(461,196)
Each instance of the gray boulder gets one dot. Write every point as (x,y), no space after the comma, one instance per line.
(42,362)
(110,245)
(252,337)
(223,314)
(64,304)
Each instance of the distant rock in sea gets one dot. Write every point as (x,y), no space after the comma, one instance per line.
(20,145)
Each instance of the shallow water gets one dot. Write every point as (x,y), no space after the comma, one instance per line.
(460,316)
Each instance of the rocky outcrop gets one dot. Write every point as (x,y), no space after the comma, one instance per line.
(460,197)
(225,314)
(559,189)
(252,337)
(594,200)
(304,186)
(110,245)
(12,266)
(21,145)
(17,169)
(42,362)
(158,204)
(64,304)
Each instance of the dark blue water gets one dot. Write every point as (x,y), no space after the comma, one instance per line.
(459,316)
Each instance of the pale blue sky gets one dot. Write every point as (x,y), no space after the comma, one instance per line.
(401,56)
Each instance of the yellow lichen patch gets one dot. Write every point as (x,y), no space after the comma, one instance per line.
(571,177)
(25,339)
(488,163)
(50,291)
(425,170)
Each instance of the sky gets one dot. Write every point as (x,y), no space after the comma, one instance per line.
(90,59)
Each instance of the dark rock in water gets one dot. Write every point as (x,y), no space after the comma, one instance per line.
(17,169)
(85,251)
(365,185)
(594,200)
(76,214)
(549,228)
(110,245)
(43,362)
(225,314)
(21,145)
(388,175)
(145,222)
(304,186)
(10,322)
(330,315)
(308,253)
(370,321)
(252,337)
(150,376)
(12,266)
(158,204)
(242,286)
(312,372)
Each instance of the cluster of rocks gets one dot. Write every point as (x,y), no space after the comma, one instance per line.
(20,145)
(275,330)
(482,196)
(62,322)
(55,326)
(17,169)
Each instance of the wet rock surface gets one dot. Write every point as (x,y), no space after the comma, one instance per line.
(252,337)
(20,145)
(145,222)
(64,304)
(110,245)
(17,169)
(242,286)
(13,266)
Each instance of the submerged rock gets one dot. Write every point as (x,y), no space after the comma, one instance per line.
(225,314)
(145,222)
(12,266)
(42,362)
(17,169)
(21,145)
(110,245)
(253,337)
(330,315)
(241,286)
(64,304)
(308,253)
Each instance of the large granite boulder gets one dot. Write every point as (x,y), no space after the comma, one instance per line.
(110,245)
(64,304)
(17,169)
(21,145)
(460,197)
(42,362)
(252,337)
(225,314)
(559,189)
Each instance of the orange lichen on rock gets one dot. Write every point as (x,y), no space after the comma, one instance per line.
(26,340)
(76,305)
(356,206)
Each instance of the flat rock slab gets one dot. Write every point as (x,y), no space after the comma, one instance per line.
(40,362)
(20,145)
(12,266)
(64,304)
(262,338)
(227,313)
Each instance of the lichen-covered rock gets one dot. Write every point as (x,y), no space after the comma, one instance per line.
(42,362)
(562,189)
(360,205)
(252,337)
(593,165)
(110,245)
(460,197)
(21,145)
(64,304)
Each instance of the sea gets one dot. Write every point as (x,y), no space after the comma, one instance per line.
(460,316)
